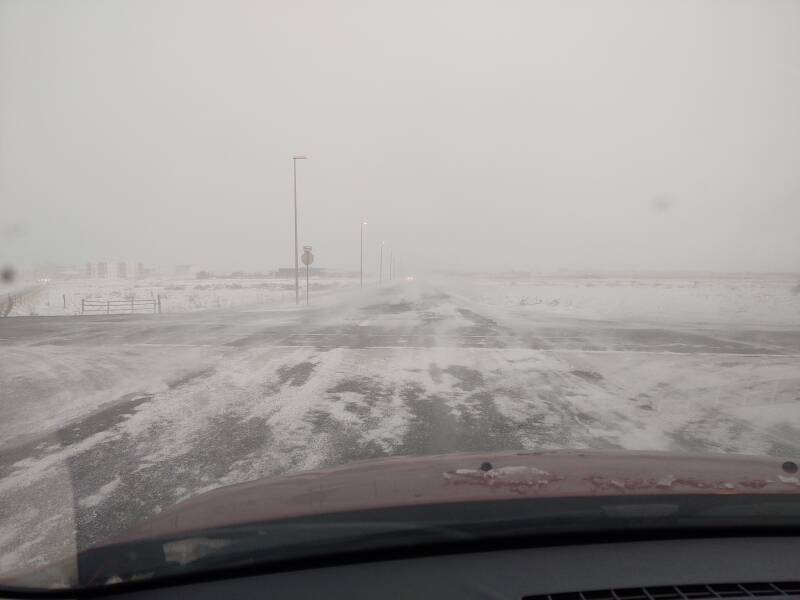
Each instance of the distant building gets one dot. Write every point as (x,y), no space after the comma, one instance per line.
(183,270)
(108,269)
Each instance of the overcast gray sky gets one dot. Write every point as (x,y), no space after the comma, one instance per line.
(502,134)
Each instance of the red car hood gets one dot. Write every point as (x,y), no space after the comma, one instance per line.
(456,478)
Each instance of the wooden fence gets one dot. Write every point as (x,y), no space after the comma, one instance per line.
(94,306)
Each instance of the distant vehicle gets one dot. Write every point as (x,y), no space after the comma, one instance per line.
(505,525)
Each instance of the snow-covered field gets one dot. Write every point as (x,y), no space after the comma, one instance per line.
(680,299)
(175,294)
(744,299)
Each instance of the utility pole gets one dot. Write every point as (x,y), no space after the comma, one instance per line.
(296,255)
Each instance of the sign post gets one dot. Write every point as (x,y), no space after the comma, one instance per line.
(307,259)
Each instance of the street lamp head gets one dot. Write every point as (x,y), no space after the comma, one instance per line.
(364,223)
(299,157)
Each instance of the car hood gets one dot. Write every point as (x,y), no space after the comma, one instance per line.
(457,478)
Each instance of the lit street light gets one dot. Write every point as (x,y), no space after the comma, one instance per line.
(363,224)
(295,158)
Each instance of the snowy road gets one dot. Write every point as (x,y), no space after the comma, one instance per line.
(108,419)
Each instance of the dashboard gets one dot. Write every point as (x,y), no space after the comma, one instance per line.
(734,567)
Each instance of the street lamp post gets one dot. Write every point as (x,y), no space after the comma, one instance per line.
(295,158)
(363,224)
(380,266)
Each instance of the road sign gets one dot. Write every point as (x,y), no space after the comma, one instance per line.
(308,257)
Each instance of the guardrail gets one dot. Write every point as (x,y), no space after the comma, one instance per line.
(119,307)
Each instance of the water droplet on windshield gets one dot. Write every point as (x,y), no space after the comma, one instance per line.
(7,274)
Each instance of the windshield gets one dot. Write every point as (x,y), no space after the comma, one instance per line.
(255,244)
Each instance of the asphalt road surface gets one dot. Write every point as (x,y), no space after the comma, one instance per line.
(110,419)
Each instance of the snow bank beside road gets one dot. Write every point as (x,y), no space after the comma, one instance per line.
(744,300)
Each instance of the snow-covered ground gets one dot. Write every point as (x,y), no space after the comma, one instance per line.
(680,299)
(114,418)
(45,387)
(63,297)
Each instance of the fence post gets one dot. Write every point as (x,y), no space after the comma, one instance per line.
(83,300)
(64,298)
(159,304)
(108,307)
(131,305)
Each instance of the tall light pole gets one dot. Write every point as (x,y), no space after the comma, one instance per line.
(363,224)
(380,267)
(295,158)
